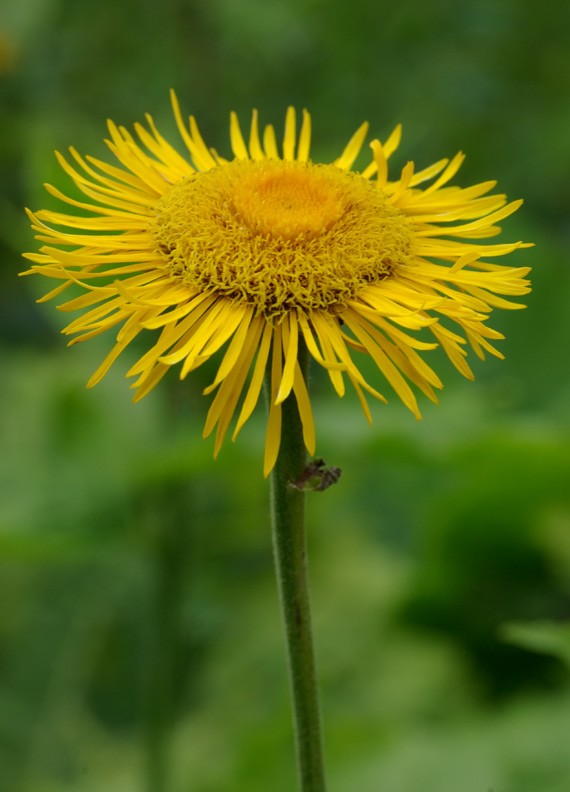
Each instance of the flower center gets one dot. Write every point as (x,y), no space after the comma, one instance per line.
(287,203)
(280,235)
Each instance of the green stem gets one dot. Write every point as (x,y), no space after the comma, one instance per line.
(290,553)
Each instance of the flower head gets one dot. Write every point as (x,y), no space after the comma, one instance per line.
(264,252)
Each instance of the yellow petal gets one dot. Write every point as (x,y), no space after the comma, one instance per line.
(304,138)
(254,389)
(270,143)
(305,410)
(254,143)
(289,137)
(273,434)
(290,346)
(353,147)
(238,144)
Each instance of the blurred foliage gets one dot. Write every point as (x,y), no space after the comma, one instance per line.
(437,534)
(550,638)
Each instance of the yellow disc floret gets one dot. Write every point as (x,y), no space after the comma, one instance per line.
(288,201)
(280,235)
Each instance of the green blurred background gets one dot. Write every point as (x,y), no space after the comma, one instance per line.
(112,515)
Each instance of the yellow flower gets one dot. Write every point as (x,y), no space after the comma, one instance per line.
(264,252)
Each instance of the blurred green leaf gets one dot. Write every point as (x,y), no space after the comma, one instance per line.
(545,637)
